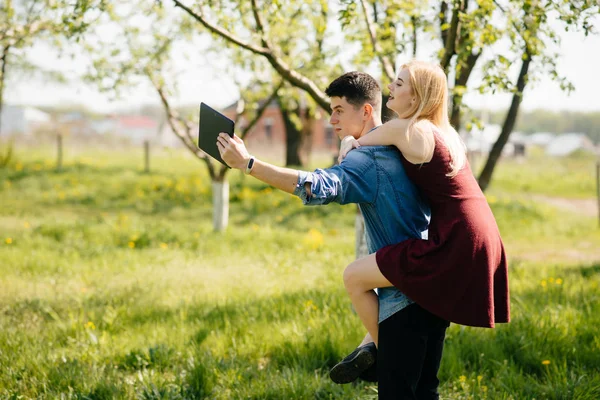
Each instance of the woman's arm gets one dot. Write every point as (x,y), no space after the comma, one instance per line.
(415,142)
(387,134)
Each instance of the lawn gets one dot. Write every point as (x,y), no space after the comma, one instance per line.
(112,285)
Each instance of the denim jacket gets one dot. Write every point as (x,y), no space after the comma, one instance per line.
(373,177)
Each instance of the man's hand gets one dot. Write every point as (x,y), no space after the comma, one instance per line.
(233,151)
(348,143)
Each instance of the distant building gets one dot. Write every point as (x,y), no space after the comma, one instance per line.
(22,120)
(541,138)
(568,143)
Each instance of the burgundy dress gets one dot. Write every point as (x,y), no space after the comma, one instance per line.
(460,273)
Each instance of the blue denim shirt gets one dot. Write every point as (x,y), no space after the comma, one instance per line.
(393,209)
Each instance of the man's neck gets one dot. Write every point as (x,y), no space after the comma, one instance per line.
(370,125)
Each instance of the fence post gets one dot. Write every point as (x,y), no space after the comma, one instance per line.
(147,156)
(59,152)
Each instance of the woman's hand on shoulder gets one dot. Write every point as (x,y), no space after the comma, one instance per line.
(348,143)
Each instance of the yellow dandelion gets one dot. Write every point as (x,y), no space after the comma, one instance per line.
(543,283)
(462,378)
(131,245)
(313,239)
(18,167)
(26,224)
(550,280)
(164,246)
(479,378)
(559,281)
(492,199)
(90,325)
(546,362)
(255,227)
(8,240)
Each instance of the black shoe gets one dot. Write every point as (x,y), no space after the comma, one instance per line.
(354,364)
(369,374)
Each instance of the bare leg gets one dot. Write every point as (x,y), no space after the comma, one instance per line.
(368,339)
(360,278)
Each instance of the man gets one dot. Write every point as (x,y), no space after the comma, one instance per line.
(374,178)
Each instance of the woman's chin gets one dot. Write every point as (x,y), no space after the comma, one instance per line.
(390,107)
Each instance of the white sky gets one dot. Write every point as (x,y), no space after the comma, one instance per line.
(202,81)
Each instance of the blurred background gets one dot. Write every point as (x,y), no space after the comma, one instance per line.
(134,266)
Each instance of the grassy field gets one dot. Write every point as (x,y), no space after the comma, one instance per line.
(113,286)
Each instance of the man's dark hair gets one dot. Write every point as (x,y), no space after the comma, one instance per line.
(358,88)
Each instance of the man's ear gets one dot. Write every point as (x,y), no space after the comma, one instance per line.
(367,111)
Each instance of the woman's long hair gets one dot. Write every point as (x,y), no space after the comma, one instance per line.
(430,86)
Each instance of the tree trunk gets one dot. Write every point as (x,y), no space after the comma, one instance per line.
(461,80)
(361,248)
(3,62)
(293,136)
(220,191)
(511,117)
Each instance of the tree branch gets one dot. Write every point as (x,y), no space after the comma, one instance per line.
(261,111)
(414,41)
(450,44)
(178,125)
(388,66)
(230,37)
(461,80)
(442,20)
(285,71)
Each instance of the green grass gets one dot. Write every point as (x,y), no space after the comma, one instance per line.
(569,177)
(114,286)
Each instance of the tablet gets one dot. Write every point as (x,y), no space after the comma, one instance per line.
(212,123)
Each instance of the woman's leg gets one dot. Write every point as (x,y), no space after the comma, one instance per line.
(367,339)
(360,278)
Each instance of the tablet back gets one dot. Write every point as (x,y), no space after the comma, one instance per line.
(212,123)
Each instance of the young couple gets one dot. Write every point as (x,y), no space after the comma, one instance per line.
(401,174)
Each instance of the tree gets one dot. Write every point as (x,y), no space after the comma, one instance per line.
(532,33)
(466,30)
(148,35)
(24,23)
(280,38)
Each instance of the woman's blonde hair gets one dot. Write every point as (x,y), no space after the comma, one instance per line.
(429,84)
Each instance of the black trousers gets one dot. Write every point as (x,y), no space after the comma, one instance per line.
(411,343)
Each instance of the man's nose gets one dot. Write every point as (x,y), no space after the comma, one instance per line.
(333,120)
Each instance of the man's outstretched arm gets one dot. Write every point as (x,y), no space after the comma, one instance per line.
(354,181)
(234,153)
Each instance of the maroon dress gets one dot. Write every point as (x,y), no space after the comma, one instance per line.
(460,273)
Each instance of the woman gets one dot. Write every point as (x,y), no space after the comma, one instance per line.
(460,273)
